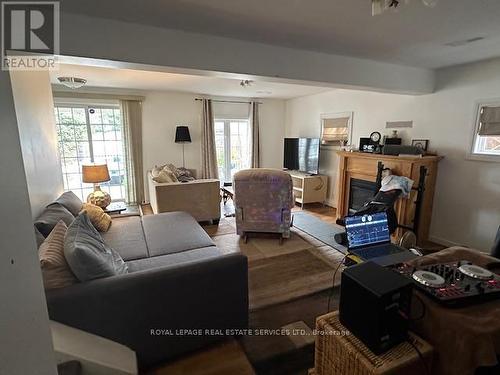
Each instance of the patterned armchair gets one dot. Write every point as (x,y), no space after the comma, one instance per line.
(263,199)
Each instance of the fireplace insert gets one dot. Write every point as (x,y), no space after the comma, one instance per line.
(360,192)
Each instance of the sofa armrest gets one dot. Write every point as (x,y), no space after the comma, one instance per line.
(200,198)
(130,308)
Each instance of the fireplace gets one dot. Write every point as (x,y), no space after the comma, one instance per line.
(360,191)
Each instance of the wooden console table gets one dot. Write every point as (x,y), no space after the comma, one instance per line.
(363,166)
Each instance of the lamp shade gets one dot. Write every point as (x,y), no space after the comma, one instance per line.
(182,134)
(95,173)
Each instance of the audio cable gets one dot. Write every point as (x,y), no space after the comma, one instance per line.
(333,282)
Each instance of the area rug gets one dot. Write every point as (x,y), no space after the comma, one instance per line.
(285,277)
(319,229)
(278,273)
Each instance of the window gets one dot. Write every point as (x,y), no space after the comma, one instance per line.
(91,134)
(336,128)
(232,142)
(486,140)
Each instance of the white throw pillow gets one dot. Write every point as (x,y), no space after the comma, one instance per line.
(165,176)
(156,171)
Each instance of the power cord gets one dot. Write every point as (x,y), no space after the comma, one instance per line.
(320,186)
(333,282)
(420,355)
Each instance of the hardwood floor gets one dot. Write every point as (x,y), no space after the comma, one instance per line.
(325,213)
(269,355)
(229,358)
(225,358)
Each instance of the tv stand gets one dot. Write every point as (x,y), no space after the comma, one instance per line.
(308,188)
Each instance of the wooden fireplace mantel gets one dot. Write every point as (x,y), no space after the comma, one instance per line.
(363,166)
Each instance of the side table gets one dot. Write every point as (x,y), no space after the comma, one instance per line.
(120,208)
(338,352)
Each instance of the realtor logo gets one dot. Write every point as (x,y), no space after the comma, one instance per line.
(30,35)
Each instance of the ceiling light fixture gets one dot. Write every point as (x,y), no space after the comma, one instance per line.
(72,82)
(246,83)
(380,6)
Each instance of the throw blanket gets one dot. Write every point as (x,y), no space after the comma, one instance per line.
(464,338)
(393,182)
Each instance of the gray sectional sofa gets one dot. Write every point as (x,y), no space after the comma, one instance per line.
(178,280)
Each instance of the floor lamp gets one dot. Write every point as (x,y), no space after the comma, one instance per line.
(182,136)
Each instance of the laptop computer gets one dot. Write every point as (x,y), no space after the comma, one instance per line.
(368,238)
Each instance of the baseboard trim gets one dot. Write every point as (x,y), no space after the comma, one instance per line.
(442,241)
(331,203)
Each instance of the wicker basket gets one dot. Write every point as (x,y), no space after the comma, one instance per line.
(338,352)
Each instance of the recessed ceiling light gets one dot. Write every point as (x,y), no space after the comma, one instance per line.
(459,43)
(72,82)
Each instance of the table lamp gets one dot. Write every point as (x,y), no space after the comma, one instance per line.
(182,136)
(95,174)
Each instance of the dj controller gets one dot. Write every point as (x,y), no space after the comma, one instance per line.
(453,284)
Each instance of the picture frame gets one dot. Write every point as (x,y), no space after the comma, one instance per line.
(422,144)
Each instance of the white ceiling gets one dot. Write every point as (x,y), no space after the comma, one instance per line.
(416,35)
(161,81)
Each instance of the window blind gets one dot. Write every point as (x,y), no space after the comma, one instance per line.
(489,121)
(335,129)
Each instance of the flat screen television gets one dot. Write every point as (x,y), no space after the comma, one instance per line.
(302,154)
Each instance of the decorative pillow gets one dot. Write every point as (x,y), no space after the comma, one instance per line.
(71,202)
(88,256)
(156,170)
(165,176)
(184,175)
(55,270)
(50,216)
(172,168)
(99,219)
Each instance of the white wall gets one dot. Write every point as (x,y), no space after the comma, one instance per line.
(25,340)
(35,116)
(163,111)
(467,199)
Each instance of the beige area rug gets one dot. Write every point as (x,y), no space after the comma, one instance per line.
(279,273)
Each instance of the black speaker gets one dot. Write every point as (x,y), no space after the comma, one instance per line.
(375,305)
(392,141)
(397,150)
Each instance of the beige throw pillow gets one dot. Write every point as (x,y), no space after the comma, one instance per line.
(156,170)
(165,176)
(55,270)
(99,219)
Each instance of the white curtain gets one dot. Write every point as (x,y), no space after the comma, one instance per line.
(255,145)
(208,150)
(132,136)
